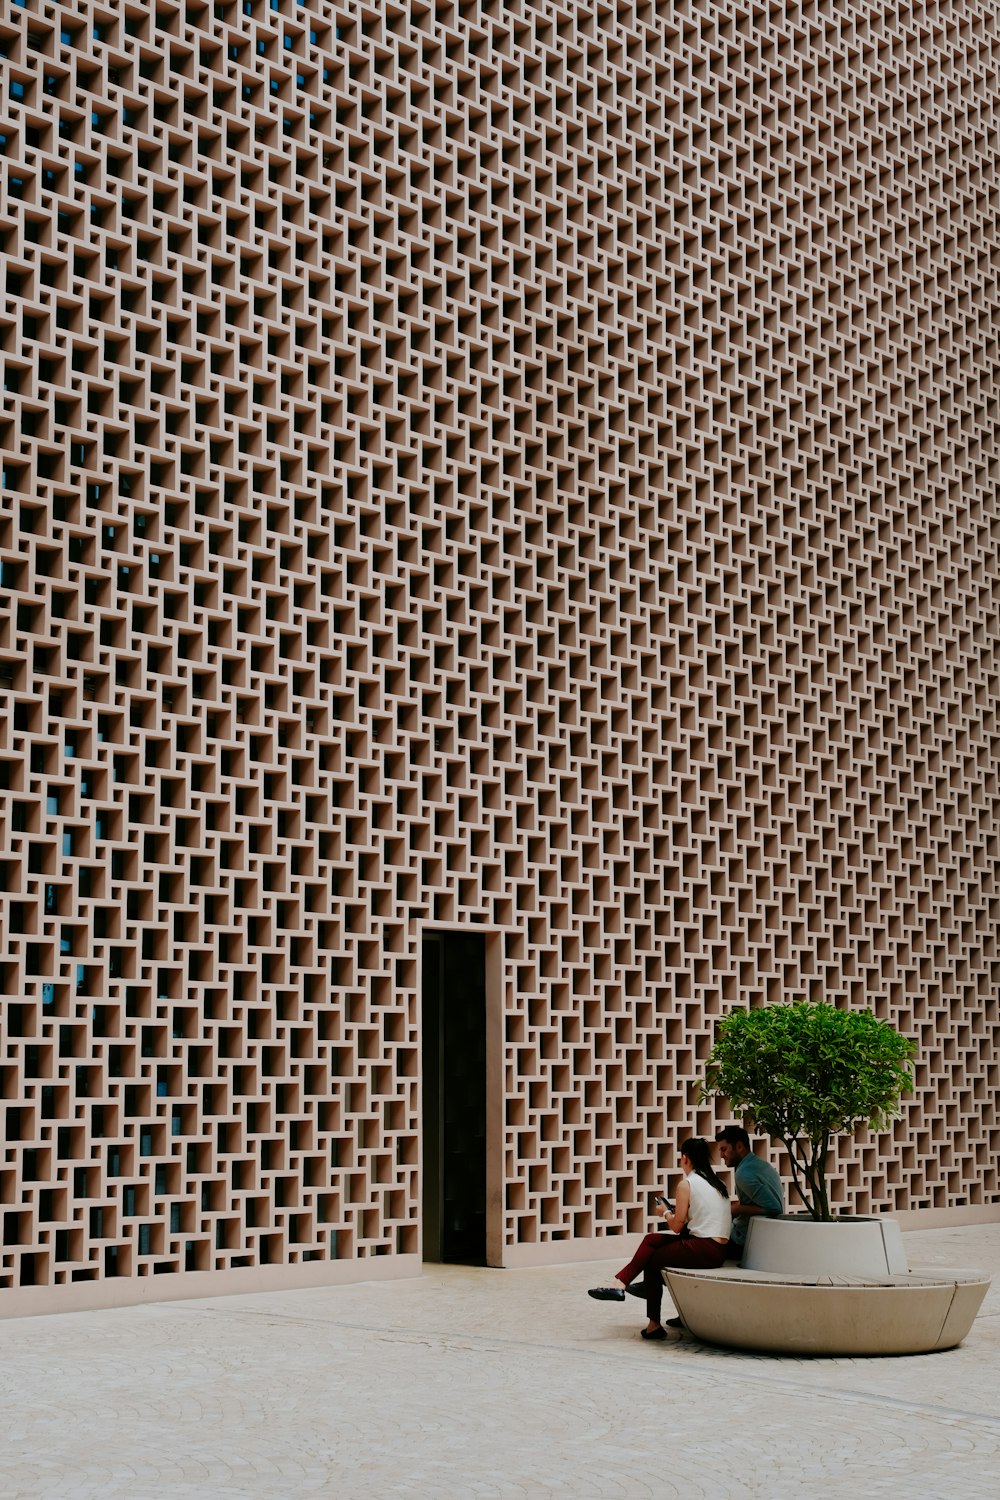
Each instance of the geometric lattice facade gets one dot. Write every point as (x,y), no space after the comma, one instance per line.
(530,466)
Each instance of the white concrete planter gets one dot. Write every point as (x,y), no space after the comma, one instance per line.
(800,1246)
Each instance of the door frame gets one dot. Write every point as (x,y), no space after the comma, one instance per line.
(493,959)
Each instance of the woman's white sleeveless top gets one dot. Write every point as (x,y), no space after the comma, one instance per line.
(709,1216)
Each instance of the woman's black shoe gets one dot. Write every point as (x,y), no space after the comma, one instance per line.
(607,1293)
(653,1333)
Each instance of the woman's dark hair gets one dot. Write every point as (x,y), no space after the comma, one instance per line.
(698,1153)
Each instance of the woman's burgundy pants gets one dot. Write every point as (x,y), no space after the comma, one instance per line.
(659,1250)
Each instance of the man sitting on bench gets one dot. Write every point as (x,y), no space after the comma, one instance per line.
(758,1187)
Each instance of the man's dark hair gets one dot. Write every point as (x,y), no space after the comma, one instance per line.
(735,1135)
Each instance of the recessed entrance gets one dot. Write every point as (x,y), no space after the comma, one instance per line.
(453,1054)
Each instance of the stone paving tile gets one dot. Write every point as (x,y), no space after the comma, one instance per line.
(484,1384)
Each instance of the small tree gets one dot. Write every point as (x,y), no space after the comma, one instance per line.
(808,1073)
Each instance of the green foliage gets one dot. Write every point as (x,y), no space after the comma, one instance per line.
(808,1073)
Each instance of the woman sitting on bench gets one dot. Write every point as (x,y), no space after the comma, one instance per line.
(700,1223)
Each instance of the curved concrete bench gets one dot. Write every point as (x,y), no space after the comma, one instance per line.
(910,1313)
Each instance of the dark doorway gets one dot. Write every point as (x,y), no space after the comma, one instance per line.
(453,1048)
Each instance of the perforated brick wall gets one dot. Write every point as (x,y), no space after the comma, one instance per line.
(531,465)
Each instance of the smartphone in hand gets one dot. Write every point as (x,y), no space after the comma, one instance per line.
(664,1203)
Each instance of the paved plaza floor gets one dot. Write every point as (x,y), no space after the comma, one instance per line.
(475,1383)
